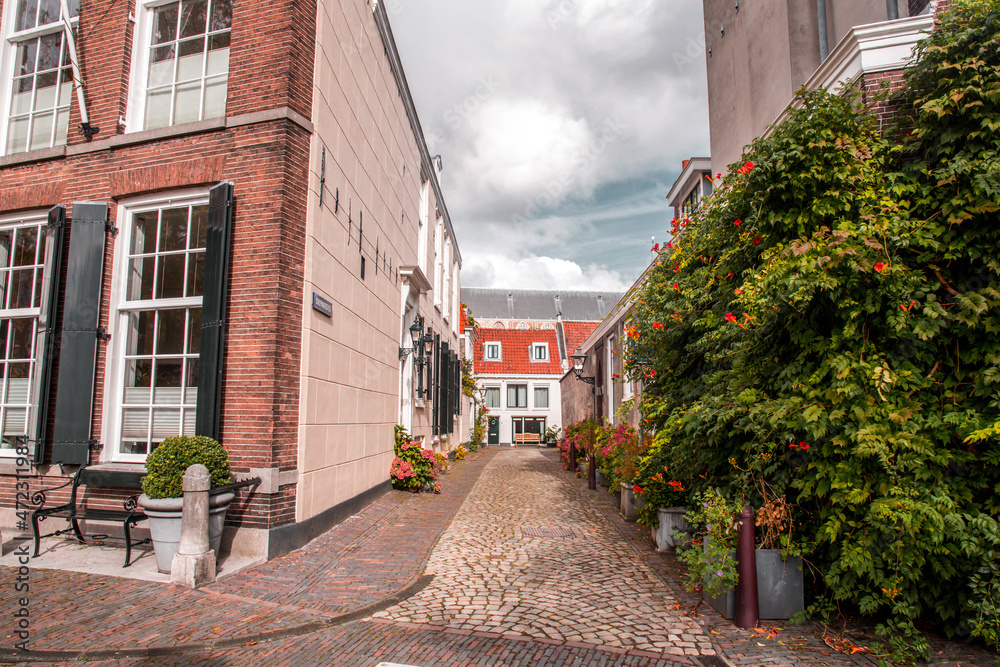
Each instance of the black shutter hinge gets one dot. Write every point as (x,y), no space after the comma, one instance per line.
(109,227)
(93,445)
(102,334)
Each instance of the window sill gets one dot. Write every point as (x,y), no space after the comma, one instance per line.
(33,156)
(169,132)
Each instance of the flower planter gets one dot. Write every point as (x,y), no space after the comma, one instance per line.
(780,589)
(601,479)
(165,524)
(630,504)
(671,520)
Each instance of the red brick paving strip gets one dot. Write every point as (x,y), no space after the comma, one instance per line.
(366,559)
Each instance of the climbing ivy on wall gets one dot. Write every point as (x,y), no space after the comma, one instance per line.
(829,323)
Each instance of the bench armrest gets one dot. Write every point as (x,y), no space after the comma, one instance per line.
(38,497)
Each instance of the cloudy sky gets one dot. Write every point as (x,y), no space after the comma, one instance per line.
(562,125)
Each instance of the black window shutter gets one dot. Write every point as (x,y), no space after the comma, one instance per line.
(78,344)
(445,409)
(436,405)
(213,310)
(46,339)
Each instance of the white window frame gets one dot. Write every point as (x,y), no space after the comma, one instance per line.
(534,397)
(425,186)
(142,35)
(515,386)
(118,317)
(486,351)
(535,348)
(8,51)
(498,391)
(22,220)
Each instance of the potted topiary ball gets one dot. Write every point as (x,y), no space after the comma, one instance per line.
(163,500)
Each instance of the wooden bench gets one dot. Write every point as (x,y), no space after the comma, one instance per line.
(75,512)
(527,439)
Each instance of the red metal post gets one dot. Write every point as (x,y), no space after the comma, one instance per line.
(747,613)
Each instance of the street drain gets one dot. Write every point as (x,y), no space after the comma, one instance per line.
(546,532)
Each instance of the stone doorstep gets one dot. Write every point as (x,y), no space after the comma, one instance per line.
(104,558)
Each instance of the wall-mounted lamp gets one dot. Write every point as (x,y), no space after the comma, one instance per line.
(416,338)
(578,369)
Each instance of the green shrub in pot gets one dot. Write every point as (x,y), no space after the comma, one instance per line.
(165,465)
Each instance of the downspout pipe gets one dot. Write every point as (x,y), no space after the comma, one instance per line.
(824,40)
(891,10)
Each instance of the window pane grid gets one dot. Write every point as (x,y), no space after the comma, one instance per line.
(188,70)
(22,257)
(41,95)
(162,340)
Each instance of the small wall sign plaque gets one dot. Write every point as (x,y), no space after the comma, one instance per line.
(323,305)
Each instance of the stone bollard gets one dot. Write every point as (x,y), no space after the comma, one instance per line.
(194,562)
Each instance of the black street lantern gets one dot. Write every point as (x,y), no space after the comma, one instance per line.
(416,333)
(578,369)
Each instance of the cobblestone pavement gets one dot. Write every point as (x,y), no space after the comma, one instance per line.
(521,557)
(504,590)
(773,643)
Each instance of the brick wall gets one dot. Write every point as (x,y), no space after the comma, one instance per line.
(877,93)
(271,67)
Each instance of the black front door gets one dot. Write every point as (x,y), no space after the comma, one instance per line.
(493,434)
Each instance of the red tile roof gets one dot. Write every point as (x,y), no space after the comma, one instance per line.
(515,351)
(576,334)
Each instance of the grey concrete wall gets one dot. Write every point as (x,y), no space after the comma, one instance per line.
(768,51)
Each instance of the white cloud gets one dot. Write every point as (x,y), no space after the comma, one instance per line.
(518,96)
(493,270)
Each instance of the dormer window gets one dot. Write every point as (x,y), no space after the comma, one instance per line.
(539,351)
(492,352)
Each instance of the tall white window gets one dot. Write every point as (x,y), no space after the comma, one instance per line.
(422,220)
(23,254)
(36,61)
(159,280)
(181,70)
(438,260)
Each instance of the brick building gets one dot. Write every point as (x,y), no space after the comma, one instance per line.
(227,228)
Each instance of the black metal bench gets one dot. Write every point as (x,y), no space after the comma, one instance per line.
(74,512)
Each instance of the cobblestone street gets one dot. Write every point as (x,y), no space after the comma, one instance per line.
(515,563)
(528,555)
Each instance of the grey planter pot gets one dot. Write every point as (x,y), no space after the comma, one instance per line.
(630,505)
(601,479)
(165,524)
(780,588)
(671,520)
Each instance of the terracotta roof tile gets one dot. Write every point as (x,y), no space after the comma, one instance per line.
(576,334)
(515,351)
